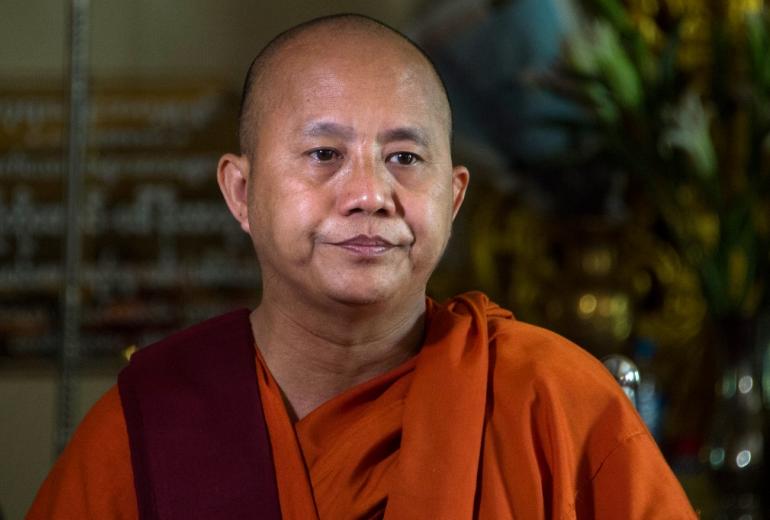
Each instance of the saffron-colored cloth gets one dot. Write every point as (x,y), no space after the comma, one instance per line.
(492,419)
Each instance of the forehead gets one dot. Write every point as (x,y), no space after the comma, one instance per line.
(353,75)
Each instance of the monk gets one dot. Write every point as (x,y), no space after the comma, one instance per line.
(347,393)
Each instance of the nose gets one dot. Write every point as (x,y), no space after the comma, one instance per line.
(367,188)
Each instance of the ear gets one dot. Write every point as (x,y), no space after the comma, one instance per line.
(233,178)
(460,178)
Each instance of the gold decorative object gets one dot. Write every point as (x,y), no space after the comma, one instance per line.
(677,92)
(595,282)
(129,351)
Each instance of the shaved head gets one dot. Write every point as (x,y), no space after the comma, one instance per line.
(319,36)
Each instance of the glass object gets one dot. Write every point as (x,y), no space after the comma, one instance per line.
(626,374)
(735,452)
(649,397)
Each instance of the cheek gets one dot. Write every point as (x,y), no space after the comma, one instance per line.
(284,221)
(431,220)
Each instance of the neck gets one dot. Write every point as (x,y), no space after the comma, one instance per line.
(315,355)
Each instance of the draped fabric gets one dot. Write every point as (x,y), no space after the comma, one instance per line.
(196,427)
(353,445)
(492,419)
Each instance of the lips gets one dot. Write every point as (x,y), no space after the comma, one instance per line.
(365,245)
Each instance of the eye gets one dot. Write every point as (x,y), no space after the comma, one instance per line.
(324,154)
(404,158)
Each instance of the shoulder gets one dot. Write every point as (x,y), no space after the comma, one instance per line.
(104,418)
(101,434)
(570,402)
(536,356)
(182,359)
(93,477)
(231,326)
(524,357)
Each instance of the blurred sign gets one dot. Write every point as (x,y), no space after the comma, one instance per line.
(160,249)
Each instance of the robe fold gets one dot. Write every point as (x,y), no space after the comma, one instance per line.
(492,419)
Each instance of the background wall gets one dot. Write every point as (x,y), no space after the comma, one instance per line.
(146,40)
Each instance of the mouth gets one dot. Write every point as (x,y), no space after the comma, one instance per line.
(364,245)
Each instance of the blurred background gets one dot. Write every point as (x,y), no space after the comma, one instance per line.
(620,196)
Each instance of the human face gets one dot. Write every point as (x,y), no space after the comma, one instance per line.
(351,192)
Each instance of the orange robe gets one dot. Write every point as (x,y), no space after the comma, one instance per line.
(492,419)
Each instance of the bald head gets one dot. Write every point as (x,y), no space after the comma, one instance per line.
(318,39)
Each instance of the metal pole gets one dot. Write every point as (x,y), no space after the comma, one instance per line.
(69,359)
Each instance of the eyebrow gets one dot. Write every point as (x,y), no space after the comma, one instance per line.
(328,128)
(405,133)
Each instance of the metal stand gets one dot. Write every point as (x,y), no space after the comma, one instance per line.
(69,359)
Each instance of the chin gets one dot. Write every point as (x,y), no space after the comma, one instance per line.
(362,292)
(360,297)
(370,287)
